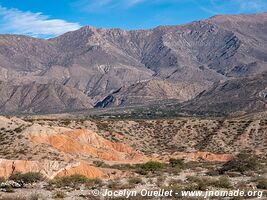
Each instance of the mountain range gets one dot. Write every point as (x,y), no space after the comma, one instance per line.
(218,64)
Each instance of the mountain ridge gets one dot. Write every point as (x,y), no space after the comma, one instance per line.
(95,62)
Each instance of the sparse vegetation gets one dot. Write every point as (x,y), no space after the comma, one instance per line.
(134,180)
(59,194)
(262,184)
(94,183)
(152,166)
(72,181)
(30,177)
(223,182)
(242,163)
(160,137)
(177,163)
(9,189)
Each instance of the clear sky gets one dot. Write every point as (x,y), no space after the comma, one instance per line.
(49,18)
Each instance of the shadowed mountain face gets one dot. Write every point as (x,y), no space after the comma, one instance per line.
(247,94)
(83,68)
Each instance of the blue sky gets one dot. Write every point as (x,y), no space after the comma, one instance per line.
(51,18)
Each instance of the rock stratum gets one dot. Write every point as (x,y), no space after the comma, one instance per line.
(74,151)
(94,67)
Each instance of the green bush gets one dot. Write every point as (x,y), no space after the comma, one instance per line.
(203,184)
(152,166)
(262,184)
(29,177)
(70,181)
(9,189)
(242,163)
(223,182)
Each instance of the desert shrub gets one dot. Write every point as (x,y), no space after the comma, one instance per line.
(59,194)
(152,166)
(98,163)
(242,163)
(213,172)
(135,180)
(202,184)
(191,187)
(94,183)
(9,189)
(177,163)
(223,182)
(262,184)
(196,183)
(29,177)
(70,181)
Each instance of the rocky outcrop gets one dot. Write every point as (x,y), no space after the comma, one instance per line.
(82,169)
(88,143)
(49,169)
(246,94)
(146,92)
(40,98)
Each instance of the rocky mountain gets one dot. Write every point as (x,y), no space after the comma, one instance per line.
(150,91)
(35,97)
(242,94)
(94,67)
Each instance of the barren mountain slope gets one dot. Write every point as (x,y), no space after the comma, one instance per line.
(98,62)
(147,92)
(34,97)
(246,94)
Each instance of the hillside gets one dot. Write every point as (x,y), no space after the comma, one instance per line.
(68,157)
(70,141)
(246,94)
(79,69)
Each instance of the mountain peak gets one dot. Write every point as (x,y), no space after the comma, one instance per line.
(90,63)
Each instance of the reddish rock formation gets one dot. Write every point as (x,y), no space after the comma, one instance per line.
(88,143)
(48,169)
(82,169)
